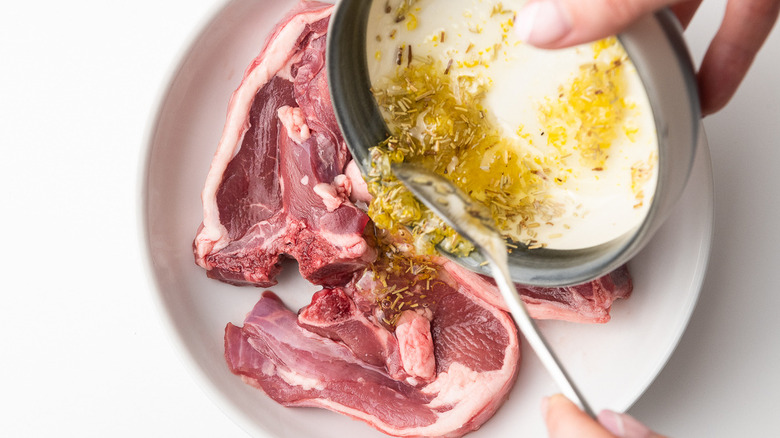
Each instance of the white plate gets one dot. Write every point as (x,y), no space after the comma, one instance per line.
(612,363)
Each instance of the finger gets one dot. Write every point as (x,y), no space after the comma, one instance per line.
(685,11)
(745,27)
(562,23)
(625,426)
(565,420)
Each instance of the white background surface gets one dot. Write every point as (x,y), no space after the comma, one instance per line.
(82,348)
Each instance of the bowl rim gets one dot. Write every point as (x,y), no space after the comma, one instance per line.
(360,121)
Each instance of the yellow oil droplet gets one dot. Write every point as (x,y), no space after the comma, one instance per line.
(411,22)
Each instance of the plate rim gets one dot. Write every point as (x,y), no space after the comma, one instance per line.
(703,153)
(175,333)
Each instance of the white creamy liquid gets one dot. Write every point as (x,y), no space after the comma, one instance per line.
(598,205)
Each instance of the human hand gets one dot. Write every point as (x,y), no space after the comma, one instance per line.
(745,26)
(565,420)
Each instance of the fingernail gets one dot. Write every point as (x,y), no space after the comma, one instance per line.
(542,22)
(623,425)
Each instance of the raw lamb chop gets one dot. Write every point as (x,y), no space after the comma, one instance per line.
(276,184)
(453,363)
(586,303)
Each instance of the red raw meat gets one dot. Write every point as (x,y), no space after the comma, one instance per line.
(473,356)
(586,303)
(333,314)
(276,184)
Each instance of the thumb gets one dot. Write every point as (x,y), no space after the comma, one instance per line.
(624,425)
(561,23)
(565,420)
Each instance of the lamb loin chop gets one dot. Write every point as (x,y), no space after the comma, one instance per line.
(443,371)
(276,185)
